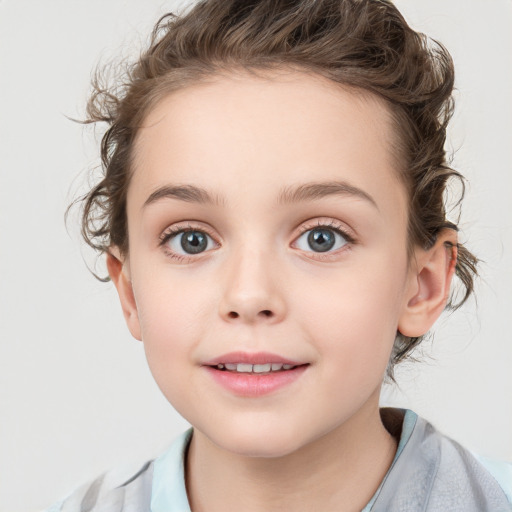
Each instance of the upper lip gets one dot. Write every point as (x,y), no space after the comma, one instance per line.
(251,358)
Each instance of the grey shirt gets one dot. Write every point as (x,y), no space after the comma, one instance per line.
(430,473)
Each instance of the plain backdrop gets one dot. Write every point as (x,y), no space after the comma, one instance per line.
(76,396)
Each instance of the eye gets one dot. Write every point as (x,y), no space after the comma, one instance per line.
(322,239)
(184,242)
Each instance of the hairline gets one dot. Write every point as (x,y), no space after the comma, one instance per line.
(201,76)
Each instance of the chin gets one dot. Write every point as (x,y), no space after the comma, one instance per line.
(260,447)
(259,441)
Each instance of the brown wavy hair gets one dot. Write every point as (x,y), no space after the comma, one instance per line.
(365,44)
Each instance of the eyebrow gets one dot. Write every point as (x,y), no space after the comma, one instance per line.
(312,191)
(288,195)
(188,193)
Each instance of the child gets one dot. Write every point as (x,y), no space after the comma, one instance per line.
(272,217)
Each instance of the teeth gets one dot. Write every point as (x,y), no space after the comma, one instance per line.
(261,368)
(254,368)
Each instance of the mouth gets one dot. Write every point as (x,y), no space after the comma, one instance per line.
(257,369)
(256,374)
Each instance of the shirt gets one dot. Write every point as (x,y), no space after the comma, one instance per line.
(430,472)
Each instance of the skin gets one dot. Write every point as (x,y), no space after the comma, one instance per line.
(319,443)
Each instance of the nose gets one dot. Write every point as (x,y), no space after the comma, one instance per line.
(252,291)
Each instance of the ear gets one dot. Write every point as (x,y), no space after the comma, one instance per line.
(429,285)
(119,272)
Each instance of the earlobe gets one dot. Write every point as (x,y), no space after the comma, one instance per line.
(119,274)
(429,285)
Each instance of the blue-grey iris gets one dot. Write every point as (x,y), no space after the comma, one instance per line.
(194,242)
(321,240)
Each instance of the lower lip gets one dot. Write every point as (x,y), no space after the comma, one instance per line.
(253,384)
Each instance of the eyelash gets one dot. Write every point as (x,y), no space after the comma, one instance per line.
(173,231)
(333,226)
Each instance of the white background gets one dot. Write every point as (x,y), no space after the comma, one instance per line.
(75,393)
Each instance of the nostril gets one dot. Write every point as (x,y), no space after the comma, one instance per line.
(265,312)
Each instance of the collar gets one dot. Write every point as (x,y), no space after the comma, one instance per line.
(169,492)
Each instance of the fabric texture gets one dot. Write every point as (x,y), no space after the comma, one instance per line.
(430,473)
(434,473)
(107,494)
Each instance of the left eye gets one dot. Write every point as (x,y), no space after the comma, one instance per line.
(321,239)
(190,242)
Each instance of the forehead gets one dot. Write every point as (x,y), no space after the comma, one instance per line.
(243,133)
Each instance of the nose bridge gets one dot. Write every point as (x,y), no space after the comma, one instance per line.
(251,289)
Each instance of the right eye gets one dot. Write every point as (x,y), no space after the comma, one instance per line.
(185,242)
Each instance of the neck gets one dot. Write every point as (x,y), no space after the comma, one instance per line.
(339,471)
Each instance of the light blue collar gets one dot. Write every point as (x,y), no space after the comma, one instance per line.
(169,492)
(410,419)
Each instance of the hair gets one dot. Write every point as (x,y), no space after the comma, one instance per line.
(363,44)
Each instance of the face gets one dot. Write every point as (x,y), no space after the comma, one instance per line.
(267,225)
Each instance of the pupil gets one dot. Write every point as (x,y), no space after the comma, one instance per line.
(321,240)
(194,242)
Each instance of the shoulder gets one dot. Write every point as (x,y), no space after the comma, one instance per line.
(116,490)
(500,470)
(432,472)
(158,484)
(460,475)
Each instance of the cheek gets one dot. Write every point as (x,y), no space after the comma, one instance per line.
(171,326)
(172,315)
(353,315)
